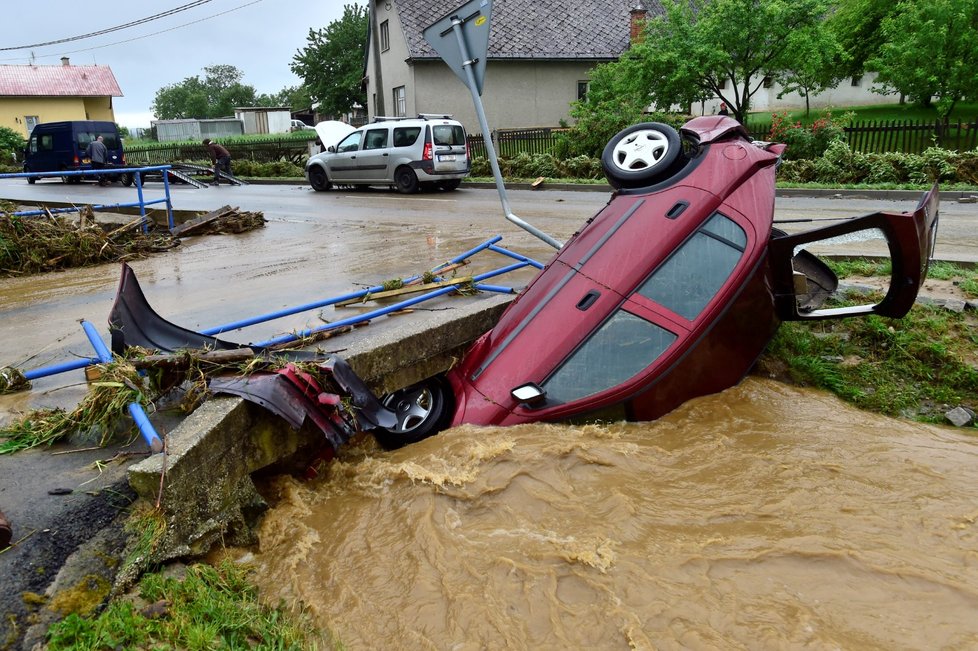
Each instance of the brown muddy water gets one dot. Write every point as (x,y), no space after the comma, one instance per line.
(765,517)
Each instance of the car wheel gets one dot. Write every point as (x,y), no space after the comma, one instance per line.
(30,179)
(450,185)
(406,180)
(422,410)
(641,155)
(318,179)
(126,179)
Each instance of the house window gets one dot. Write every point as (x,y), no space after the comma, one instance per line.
(400,102)
(768,81)
(722,84)
(582,88)
(30,121)
(385,37)
(857,81)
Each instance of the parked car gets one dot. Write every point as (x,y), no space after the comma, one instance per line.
(299,125)
(407,153)
(60,147)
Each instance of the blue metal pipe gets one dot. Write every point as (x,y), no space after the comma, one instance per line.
(499,289)
(366,316)
(135,409)
(59,368)
(516,256)
(271,316)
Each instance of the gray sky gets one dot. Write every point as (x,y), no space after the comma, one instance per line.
(259,37)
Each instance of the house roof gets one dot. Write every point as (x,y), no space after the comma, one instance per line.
(58,81)
(537,29)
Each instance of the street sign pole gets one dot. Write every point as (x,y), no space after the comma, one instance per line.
(464,67)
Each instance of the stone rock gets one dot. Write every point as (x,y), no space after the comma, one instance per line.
(954,305)
(960,417)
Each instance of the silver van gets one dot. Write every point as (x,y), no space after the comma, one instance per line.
(429,151)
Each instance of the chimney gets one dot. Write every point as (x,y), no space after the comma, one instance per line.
(636,21)
(64,61)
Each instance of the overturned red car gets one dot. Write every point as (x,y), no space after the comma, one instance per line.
(672,291)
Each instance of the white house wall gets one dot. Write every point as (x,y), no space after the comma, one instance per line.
(845,94)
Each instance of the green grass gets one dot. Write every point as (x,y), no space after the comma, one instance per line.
(917,367)
(914,112)
(210,608)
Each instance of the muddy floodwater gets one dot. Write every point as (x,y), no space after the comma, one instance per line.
(766,517)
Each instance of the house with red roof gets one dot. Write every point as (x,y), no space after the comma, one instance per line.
(32,94)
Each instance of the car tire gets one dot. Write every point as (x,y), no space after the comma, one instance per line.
(422,410)
(641,155)
(318,179)
(448,186)
(406,180)
(126,179)
(31,179)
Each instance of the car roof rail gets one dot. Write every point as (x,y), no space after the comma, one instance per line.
(384,118)
(436,116)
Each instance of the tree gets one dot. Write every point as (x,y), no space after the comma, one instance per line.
(214,96)
(723,48)
(930,50)
(331,65)
(295,97)
(818,63)
(857,25)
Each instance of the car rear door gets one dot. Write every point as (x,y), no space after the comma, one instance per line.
(374,158)
(449,150)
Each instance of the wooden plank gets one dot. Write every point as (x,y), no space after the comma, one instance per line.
(188,227)
(408,289)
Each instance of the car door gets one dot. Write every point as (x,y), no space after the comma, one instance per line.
(374,158)
(342,165)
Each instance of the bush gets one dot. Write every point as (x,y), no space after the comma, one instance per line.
(274,169)
(806,142)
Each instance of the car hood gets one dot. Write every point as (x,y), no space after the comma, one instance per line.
(330,132)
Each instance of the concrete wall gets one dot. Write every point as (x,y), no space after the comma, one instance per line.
(14,110)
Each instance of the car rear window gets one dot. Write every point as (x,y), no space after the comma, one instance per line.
(695,272)
(622,347)
(109,139)
(447,134)
(406,136)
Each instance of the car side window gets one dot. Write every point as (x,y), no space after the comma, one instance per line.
(375,139)
(46,143)
(350,143)
(406,136)
(695,272)
(621,348)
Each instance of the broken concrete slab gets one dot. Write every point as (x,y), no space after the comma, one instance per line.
(203,482)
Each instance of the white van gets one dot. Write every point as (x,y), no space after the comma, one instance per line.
(429,151)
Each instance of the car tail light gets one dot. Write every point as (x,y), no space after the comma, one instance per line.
(122,157)
(77,162)
(427,152)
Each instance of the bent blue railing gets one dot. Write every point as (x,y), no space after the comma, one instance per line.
(137,173)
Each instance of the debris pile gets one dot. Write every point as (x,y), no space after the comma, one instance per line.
(31,245)
(223,220)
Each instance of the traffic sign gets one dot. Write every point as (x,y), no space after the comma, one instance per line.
(461,39)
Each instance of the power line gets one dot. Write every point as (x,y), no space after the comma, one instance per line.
(139,38)
(109,30)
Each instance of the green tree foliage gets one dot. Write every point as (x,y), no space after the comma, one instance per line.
(857,25)
(818,64)
(214,96)
(930,50)
(10,140)
(331,65)
(724,48)
(295,97)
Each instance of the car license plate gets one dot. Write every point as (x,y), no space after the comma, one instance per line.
(446,157)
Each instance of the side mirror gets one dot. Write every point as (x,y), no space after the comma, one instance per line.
(331,148)
(529,394)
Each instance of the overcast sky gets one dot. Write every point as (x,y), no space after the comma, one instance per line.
(259,37)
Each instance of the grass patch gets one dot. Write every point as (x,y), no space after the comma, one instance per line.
(210,608)
(878,112)
(965,278)
(915,367)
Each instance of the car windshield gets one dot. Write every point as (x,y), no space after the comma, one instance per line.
(447,134)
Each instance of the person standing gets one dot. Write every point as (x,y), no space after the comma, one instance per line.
(97,152)
(221,158)
(723,109)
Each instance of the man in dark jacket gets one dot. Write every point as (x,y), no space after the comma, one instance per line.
(98,153)
(221,158)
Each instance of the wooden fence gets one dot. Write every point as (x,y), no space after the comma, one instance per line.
(907,136)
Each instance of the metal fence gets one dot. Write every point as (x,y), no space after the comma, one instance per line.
(866,136)
(261,151)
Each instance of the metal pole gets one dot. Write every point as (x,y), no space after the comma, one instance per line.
(135,409)
(490,149)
